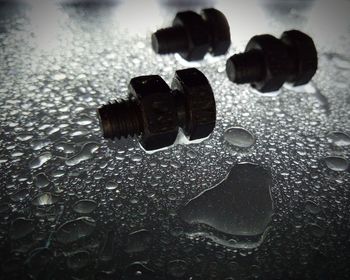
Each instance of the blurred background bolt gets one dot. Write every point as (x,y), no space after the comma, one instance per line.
(192,35)
(269,62)
(155,112)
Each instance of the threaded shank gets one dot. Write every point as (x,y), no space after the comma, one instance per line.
(121,119)
(246,67)
(170,40)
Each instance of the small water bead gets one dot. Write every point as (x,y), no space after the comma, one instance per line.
(76,229)
(86,153)
(136,158)
(84,120)
(20,228)
(41,180)
(45,199)
(85,206)
(338,138)
(39,144)
(110,185)
(67,148)
(39,161)
(58,76)
(239,137)
(336,163)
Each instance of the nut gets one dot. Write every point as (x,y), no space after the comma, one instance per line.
(199,103)
(197,35)
(160,124)
(303,51)
(275,59)
(219,31)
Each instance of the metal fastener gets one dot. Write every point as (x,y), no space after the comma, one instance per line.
(154,112)
(193,35)
(268,62)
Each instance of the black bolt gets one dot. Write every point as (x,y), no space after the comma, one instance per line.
(268,62)
(155,112)
(193,35)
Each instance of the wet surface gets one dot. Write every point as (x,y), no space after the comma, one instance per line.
(76,206)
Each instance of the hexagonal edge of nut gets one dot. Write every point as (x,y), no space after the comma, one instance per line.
(197,34)
(157,105)
(219,28)
(199,102)
(304,51)
(276,61)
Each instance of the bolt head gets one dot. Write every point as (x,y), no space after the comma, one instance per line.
(197,34)
(199,103)
(304,51)
(219,30)
(276,60)
(157,105)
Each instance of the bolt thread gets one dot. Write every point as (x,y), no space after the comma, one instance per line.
(121,119)
(246,67)
(170,40)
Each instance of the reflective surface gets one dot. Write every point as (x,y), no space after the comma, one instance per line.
(75,206)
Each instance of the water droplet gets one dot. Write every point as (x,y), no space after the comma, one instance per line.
(338,138)
(136,158)
(67,148)
(240,205)
(39,144)
(76,229)
(138,241)
(110,185)
(85,206)
(59,76)
(39,161)
(20,228)
(177,268)
(78,260)
(44,199)
(86,153)
(41,180)
(239,137)
(336,163)
(84,120)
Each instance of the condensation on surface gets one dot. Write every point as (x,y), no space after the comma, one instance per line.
(74,205)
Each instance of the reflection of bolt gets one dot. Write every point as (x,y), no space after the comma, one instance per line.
(268,62)
(155,112)
(193,35)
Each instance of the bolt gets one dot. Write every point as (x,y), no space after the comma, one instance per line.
(193,35)
(268,62)
(154,112)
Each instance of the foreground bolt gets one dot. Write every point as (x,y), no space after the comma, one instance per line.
(155,112)
(268,62)
(193,35)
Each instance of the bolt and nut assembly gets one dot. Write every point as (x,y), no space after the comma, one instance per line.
(193,35)
(268,62)
(155,112)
